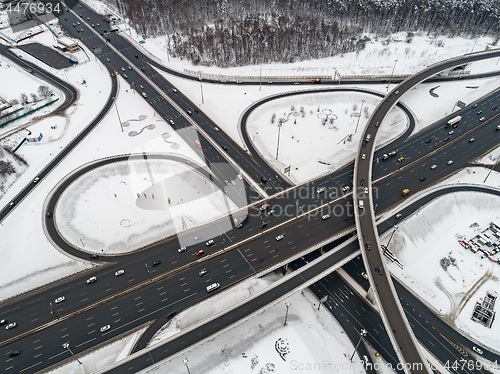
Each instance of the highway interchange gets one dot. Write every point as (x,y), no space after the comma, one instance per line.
(260,254)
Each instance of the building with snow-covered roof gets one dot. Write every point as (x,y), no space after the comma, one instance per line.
(70,44)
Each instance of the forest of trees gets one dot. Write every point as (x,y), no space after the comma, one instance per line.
(240,32)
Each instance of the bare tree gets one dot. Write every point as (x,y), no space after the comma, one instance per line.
(45,92)
(34,97)
(24,99)
(14,102)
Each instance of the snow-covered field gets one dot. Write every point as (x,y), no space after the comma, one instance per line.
(437,268)
(309,144)
(127,205)
(311,338)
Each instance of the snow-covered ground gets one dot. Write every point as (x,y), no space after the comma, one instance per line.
(312,340)
(309,144)
(437,268)
(126,205)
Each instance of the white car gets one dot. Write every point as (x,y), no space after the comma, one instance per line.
(363,156)
(477,350)
(363,274)
(10,326)
(398,215)
(433,167)
(366,190)
(345,189)
(216,129)
(105,328)
(91,280)
(60,299)
(210,242)
(321,189)
(450,162)
(36,180)
(279,237)
(119,272)
(182,249)
(239,176)
(326,216)
(451,132)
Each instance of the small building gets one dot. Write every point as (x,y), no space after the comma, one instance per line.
(69,44)
(483,311)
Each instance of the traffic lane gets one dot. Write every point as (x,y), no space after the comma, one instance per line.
(179,291)
(228,318)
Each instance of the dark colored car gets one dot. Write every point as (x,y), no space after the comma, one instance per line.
(224,147)
(428,140)
(368,246)
(189,112)
(171,314)
(422,179)
(203,272)
(94,256)
(380,270)
(262,225)
(136,56)
(446,139)
(49,214)
(157,262)
(15,353)
(362,182)
(263,179)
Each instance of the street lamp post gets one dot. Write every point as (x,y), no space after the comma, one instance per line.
(392,75)
(395,229)
(66,345)
(149,274)
(52,311)
(286,315)
(186,363)
(201,87)
(279,133)
(360,114)
(362,334)
(471,52)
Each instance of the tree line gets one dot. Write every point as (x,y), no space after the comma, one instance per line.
(239,32)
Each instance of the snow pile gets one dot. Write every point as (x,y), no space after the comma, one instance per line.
(127,205)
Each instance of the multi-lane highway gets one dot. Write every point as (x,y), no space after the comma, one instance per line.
(259,253)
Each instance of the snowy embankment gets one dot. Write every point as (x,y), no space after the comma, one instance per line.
(448,277)
(127,205)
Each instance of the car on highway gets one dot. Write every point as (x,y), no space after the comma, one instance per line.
(401,159)
(449,162)
(405,192)
(210,242)
(368,246)
(224,147)
(74,25)
(93,25)
(422,179)
(321,189)
(36,180)
(15,353)
(216,129)
(240,177)
(108,60)
(98,25)
(377,124)
(144,95)
(10,326)
(91,280)
(182,249)
(174,89)
(198,144)
(398,216)
(94,256)
(200,252)
(279,237)
(129,67)
(494,107)
(3,322)
(264,207)
(380,270)
(212,287)
(451,132)
(481,119)
(125,76)
(11,205)
(123,69)
(477,350)
(366,190)
(395,93)
(345,189)
(433,167)
(141,86)
(363,156)
(471,140)
(263,179)
(271,212)
(446,139)
(480,112)
(474,106)
(362,182)
(119,272)
(155,263)
(203,272)
(60,299)
(363,274)
(326,216)
(171,314)
(189,112)
(105,328)
(455,125)
(262,225)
